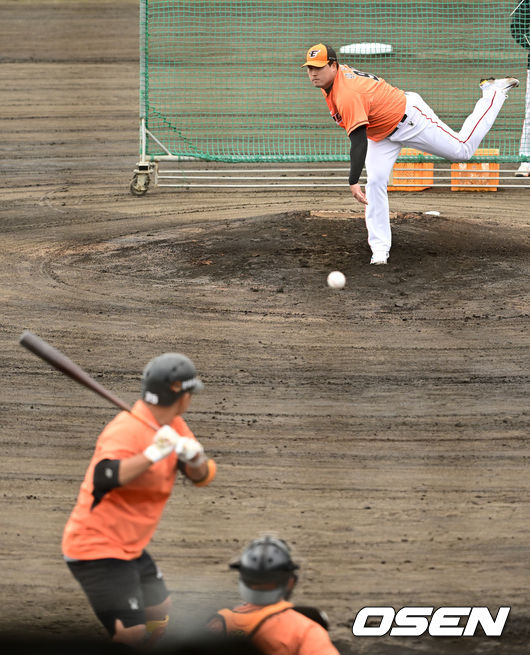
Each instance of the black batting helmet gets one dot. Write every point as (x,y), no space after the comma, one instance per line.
(265,569)
(167,377)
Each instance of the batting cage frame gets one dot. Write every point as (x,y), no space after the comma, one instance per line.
(221,83)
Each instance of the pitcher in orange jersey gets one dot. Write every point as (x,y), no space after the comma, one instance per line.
(272,623)
(380,119)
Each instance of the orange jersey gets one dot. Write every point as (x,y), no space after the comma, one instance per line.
(358,98)
(122,523)
(275,629)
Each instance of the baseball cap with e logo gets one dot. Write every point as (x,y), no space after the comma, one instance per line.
(320,55)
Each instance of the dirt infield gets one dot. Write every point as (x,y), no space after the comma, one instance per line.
(382,429)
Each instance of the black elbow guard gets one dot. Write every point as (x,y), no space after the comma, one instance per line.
(106,475)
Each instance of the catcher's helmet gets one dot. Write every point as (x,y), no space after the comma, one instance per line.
(265,569)
(167,377)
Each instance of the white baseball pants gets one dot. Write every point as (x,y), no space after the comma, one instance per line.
(424,131)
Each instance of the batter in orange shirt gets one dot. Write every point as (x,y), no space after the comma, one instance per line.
(126,486)
(120,522)
(380,119)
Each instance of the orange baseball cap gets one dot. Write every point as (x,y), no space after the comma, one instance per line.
(319,56)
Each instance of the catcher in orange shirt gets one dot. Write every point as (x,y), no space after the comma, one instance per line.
(380,119)
(126,486)
(274,625)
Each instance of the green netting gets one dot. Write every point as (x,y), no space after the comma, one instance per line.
(222,80)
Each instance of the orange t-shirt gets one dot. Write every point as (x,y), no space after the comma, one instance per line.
(358,98)
(123,522)
(275,629)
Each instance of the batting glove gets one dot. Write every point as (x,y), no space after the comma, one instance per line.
(164,443)
(187,449)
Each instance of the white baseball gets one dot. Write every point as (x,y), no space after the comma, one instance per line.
(336,280)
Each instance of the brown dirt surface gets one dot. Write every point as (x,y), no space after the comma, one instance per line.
(382,429)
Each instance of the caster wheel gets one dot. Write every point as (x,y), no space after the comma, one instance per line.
(139,184)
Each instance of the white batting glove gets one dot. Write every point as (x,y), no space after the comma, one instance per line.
(164,443)
(187,449)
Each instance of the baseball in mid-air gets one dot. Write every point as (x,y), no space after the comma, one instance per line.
(336,280)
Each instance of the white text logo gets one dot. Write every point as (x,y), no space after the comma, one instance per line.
(415,621)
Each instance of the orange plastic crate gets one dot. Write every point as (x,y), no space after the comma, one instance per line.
(476,176)
(414,176)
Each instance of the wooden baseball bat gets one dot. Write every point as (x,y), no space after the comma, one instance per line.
(65,365)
